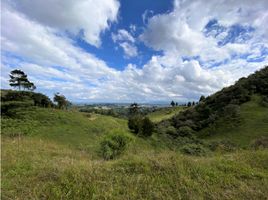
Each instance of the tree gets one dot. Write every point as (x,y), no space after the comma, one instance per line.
(193,104)
(172,103)
(134,123)
(19,79)
(202,98)
(176,104)
(189,104)
(29,86)
(147,127)
(134,109)
(61,100)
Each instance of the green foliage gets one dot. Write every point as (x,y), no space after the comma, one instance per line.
(185,131)
(113,145)
(202,98)
(19,79)
(7,108)
(134,109)
(147,127)
(251,124)
(61,101)
(59,161)
(135,123)
(231,110)
(24,97)
(141,126)
(223,103)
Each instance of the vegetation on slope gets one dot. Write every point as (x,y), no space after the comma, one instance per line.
(221,105)
(164,113)
(38,169)
(49,153)
(252,123)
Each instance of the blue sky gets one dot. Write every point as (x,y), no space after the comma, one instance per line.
(125,51)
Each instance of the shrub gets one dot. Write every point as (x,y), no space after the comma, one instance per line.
(261,142)
(134,124)
(7,106)
(171,130)
(113,145)
(147,127)
(141,126)
(185,131)
(194,150)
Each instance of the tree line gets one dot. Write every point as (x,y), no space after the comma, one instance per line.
(19,80)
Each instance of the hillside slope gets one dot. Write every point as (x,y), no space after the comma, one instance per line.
(252,123)
(237,113)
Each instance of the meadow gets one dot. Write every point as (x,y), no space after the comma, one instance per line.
(54,154)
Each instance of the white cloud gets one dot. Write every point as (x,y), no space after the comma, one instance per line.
(54,63)
(126,42)
(80,16)
(129,49)
(181,30)
(122,35)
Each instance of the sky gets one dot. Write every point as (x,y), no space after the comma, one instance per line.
(126,51)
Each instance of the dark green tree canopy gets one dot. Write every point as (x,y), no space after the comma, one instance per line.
(61,100)
(18,79)
(134,109)
(172,103)
(202,98)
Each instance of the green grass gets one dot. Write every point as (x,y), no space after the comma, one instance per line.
(164,113)
(252,124)
(38,169)
(54,154)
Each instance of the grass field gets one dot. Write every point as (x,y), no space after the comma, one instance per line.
(54,154)
(164,113)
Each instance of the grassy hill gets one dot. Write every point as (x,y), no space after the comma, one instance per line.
(252,123)
(54,154)
(49,153)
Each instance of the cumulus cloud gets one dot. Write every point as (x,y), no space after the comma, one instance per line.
(129,49)
(122,35)
(196,59)
(46,56)
(86,18)
(181,30)
(126,42)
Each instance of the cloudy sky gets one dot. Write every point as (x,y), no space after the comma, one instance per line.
(125,51)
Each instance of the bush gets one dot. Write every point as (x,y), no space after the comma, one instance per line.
(185,131)
(7,106)
(171,130)
(134,124)
(113,145)
(194,150)
(147,127)
(141,126)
